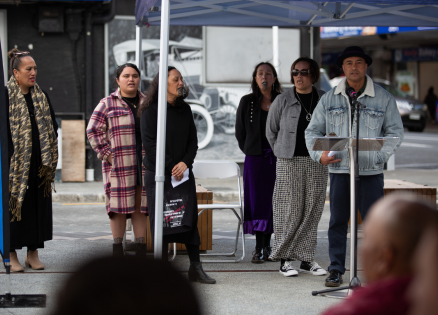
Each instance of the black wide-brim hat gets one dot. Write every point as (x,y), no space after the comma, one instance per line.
(353,51)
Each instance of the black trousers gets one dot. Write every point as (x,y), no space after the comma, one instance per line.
(370,190)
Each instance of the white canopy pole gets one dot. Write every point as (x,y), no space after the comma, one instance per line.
(275,49)
(138,46)
(138,51)
(161,130)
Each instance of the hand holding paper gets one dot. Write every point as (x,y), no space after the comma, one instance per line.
(184,179)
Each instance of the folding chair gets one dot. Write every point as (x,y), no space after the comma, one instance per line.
(222,170)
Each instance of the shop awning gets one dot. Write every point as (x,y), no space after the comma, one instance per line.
(294,13)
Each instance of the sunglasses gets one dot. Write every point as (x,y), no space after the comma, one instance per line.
(304,73)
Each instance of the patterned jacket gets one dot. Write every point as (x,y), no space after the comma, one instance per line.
(111,130)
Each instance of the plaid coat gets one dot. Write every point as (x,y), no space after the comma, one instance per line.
(111,130)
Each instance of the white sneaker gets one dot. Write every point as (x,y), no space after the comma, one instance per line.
(312,268)
(287,270)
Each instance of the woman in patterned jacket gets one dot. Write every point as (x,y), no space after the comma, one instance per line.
(300,186)
(33,156)
(114,133)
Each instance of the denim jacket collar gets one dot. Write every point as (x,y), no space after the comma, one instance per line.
(369,89)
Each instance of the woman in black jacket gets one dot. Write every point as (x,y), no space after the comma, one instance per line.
(181,208)
(260,162)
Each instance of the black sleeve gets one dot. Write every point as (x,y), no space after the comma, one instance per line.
(10,144)
(148,127)
(192,143)
(240,124)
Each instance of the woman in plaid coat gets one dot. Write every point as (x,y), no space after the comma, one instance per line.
(114,133)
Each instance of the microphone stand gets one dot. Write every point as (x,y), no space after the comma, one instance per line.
(354,280)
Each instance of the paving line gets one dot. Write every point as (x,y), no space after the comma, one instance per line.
(417,145)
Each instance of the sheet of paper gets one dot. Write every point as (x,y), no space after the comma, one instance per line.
(184,179)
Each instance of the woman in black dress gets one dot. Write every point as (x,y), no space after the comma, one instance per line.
(33,155)
(260,162)
(181,208)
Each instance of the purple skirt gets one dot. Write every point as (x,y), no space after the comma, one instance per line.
(258,187)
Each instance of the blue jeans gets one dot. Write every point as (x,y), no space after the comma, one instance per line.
(370,190)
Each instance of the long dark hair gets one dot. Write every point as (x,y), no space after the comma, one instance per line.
(152,93)
(277,88)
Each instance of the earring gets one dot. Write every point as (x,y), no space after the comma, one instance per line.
(18,82)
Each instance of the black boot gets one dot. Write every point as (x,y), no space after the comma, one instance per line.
(266,253)
(257,256)
(196,273)
(140,250)
(118,250)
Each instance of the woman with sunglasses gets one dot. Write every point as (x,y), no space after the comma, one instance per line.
(114,133)
(259,166)
(33,156)
(300,187)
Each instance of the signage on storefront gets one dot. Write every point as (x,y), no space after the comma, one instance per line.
(333,32)
(416,54)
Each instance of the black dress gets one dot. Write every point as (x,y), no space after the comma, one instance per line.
(36,225)
(181,146)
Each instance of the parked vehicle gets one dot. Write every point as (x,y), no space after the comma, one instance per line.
(412,111)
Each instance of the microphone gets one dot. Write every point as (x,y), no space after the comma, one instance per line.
(351,92)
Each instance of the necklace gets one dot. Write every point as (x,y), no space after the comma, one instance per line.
(309,115)
(135,106)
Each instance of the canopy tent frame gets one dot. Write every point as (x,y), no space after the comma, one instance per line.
(319,15)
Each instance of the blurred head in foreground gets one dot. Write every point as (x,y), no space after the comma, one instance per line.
(423,292)
(126,285)
(392,231)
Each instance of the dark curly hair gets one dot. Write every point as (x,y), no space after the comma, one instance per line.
(255,88)
(152,93)
(313,67)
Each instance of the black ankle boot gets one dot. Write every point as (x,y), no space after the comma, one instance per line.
(266,253)
(257,256)
(140,249)
(196,273)
(118,250)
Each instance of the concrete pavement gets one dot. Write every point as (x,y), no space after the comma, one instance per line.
(223,190)
(81,231)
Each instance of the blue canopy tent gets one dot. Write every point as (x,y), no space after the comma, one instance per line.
(294,13)
(263,13)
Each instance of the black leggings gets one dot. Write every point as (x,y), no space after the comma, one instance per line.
(263,240)
(192,251)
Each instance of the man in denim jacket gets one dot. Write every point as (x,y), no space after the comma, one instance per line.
(334,114)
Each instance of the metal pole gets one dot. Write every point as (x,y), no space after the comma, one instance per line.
(311,42)
(138,45)
(353,212)
(161,130)
(275,58)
